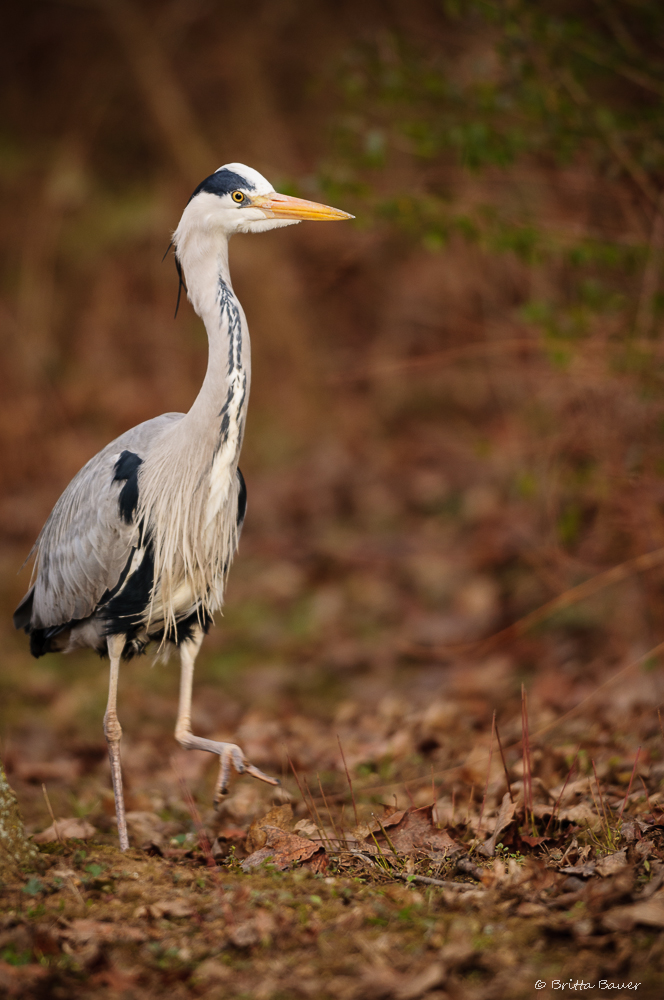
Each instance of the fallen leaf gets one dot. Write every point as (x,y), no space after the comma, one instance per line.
(580,814)
(624,918)
(280,817)
(585,871)
(16,981)
(386,982)
(212,971)
(611,864)
(282,849)
(410,830)
(82,930)
(67,829)
(245,934)
(65,769)
(145,827)
(305,827)
(533,841)
(529,908)
(416,986)
(503,820)
(170,908)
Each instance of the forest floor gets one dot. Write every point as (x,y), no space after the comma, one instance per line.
(416,874)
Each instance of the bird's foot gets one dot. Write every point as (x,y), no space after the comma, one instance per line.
(231,757)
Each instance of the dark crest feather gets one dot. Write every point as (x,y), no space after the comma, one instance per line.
(181,282)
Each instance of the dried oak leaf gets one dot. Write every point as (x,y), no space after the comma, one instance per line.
(82,930)
(279,816)
(611,864)
(382,982)
(410,830)
(168,908)
(66,769)
(17,980)
(257,930)
(503,820)
(624,918)
(283,849)
(66,829)
(584,870)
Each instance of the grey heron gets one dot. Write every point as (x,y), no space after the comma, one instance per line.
(138,547)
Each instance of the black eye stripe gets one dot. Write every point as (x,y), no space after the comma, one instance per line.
(224,182)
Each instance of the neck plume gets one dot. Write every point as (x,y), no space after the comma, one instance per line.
(188,483)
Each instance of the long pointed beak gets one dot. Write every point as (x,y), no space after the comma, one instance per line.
(282,206)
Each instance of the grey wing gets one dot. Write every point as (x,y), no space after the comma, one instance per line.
(85,543)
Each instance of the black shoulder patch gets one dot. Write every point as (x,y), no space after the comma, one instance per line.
(224,182)
(241,499)
(124,611)
(126,469)
(23,613)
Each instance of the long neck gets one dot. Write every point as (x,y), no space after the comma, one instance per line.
(220,407)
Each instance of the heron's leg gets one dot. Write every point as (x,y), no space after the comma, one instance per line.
(230,755)
(113,733)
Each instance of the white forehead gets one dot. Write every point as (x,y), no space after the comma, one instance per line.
(260,183)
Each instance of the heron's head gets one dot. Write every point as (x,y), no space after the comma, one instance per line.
(237,199)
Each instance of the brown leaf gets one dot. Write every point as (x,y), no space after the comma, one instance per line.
(279,816)
(585,871)
(170,908)
(416,986)
(624,918)
(146,827)
(282,849)
(65,769)
(212,971)
(67,829)
(611,864)
(16,981)
(533,841)
(413,829)
(503,820)
(382,982)
(83,930)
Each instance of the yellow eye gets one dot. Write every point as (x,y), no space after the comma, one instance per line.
(237,197)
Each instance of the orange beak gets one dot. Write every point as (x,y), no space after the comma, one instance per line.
(282,206)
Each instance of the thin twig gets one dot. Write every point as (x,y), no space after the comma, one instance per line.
(502,757)
(50,809)
(527,762)
(306,804)
(204,843)
(601,802)
(443,883)
(470,802)
(350,783)
(623,571)
(385,834)
(321,825)
(488,773)
(651,273)
(657,650)
(192,808)
(562,791)
(645,789)
(629,787)
(340,839)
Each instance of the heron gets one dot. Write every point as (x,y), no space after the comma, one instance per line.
(138,547)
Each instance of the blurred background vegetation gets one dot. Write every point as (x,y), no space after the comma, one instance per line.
(457,409)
